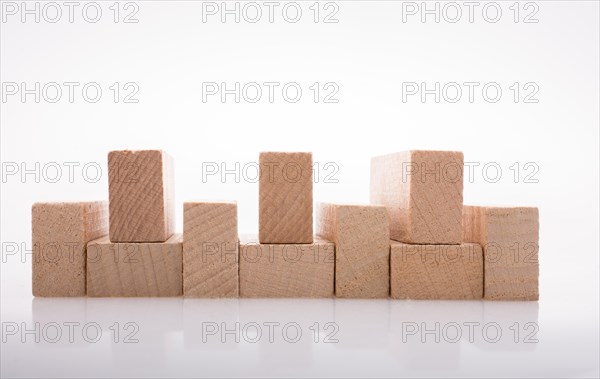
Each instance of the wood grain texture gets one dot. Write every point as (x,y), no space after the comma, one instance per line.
(60,233)
(509,237)
(361,234)
(436,272)
(141,198)
(423,191)
(210,249)
(285,198)
(286,270)
(127,269)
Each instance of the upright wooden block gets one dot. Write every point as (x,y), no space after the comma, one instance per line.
(210,249)
(423,191)
(286,270)
(127,269)
(361,234)
(60,233)
(436,272)
(141,200)
(509,237)
(285,198)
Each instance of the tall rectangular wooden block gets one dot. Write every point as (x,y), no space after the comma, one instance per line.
(285,198)
(436,272)
(423,191)
(128,269)
(210,249)
(509,237)
(361,234)
(141,200)
(60,233)
(286,270)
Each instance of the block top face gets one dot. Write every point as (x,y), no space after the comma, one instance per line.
(346,208)
(513,214)
(75,206)
(193,203)
(105,240)
(506,211)
(190,206)
(252,239)
(69,212)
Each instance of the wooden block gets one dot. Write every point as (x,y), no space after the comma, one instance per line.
(361,234)
(286,270)
(60,233)
(509,237)
(210,249)
(127,269)
(436,272)
(423,191)
(285,198)
(141,200)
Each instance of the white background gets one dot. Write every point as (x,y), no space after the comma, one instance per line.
(368,54)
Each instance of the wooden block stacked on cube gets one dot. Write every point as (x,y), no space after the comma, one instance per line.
(285,198)
(131,269)
(361,234)
(60,232)
(210,249)
(286,270)
(142,256)
(509,237)
(286,260)
(141,201)
(423,192)
(429,272)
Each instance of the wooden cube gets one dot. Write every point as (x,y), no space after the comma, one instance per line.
(134,269)
(141,199)
(60,233)
(210,249)
(361,234)
(509,237)
(423,191)
(286,270)
(436,272)
(285,198)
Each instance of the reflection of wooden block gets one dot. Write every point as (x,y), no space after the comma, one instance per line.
(285,198)
(509,237)
(141,201)
(286,270)
(60,232)
(433,272)
(126,269)
(423,191)
(210,250)
(361,234)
